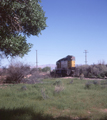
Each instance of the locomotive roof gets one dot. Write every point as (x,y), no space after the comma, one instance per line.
(69,57)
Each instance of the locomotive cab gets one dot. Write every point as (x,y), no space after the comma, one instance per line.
(65,66)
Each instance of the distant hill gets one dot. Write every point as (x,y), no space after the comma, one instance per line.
(52,66)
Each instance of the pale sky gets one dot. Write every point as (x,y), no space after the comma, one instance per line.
(73,26)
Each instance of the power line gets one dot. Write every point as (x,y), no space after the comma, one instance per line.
(86,56)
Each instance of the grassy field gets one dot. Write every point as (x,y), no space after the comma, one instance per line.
(54,99)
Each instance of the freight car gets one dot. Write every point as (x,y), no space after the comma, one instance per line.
(65,66)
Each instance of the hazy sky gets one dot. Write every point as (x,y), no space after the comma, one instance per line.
(73,26)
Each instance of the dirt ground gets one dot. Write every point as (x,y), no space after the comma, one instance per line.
(84,78)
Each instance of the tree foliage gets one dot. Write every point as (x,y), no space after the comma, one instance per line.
(18,19)
(46,69)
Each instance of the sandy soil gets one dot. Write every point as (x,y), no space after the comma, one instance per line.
(84,78)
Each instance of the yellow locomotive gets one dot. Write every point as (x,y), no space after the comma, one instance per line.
(65,66)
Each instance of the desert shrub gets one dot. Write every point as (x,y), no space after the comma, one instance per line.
(47,76)
(58,89)
(57,83)
(24,88)
(16,73)
(102,70)
(1,71)
(104,86)
(33,70)
(90,75)
(104,82)
(82,69)
(34,78)
(102,74)
(99,76)
(88,85)
(52,73)
(95,82)
(105,73)
(2,79)
(70,82)
(77,72)
(82,76)
(96,70)
(40,69)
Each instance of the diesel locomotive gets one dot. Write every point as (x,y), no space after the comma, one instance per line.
(65,66)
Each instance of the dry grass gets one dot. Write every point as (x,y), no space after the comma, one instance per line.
(59,88)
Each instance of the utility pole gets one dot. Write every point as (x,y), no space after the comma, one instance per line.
(86,56)
(36,61)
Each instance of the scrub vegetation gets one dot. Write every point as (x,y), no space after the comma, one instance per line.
(92,71)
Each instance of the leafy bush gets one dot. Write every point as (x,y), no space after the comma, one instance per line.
(46,69)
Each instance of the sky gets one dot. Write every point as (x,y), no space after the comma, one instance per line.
(73,26)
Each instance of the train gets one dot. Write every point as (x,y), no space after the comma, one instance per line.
(65,67)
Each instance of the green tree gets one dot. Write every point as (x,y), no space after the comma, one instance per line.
(45,69)
(40,69)
(19,19)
